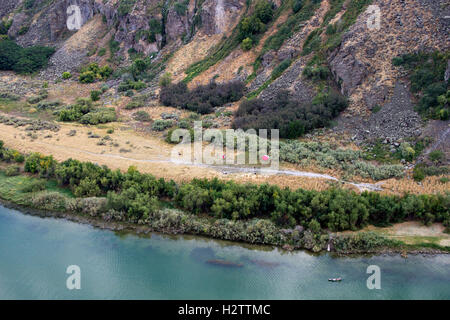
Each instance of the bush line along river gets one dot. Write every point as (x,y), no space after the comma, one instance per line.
(35,253)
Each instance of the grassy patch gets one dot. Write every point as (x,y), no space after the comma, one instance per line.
(11,188)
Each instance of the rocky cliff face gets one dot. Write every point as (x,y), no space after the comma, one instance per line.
(145,25)
(362,63)
(8,6)
(45,23)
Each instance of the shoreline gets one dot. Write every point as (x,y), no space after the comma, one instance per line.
(143,230)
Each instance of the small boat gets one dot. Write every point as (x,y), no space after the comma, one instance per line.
(335,279)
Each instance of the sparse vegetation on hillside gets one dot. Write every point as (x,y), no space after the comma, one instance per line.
(84,112)
(256,23)
(250,27)
(125,7)
(202,99)
(131,85)
(328,36)
(427,82)
(287,115)
(4,26)
(303,10)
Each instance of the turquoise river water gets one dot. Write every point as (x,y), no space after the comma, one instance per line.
(35,253)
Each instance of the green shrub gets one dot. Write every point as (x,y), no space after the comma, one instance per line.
(131,85)
(180,7)
(125,7)
(297,5)
(444,180)
(317,72)
(279,69)
(312,42)
(136,196)
(87,77)
(136,102)
(43,94)
(23,60)
(202,99)
(95,95)
(28,4)
(165,80)
(264,11)
(407,151)
(436,156)
(142,116)
(35,186)
(93,72)
(161,125)
(66,75)
(376,108)
(38,163)
(418,174)
(114,47)
(4,27)
(421,171)
(100,115)
(12,171)
(155,25)
(84,112)
(101,52)
(87,188)
(173,140)
(18,157)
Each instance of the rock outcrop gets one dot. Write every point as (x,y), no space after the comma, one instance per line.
(8,6)
(362,64)
(46,23)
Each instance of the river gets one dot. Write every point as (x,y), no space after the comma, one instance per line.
(35,253)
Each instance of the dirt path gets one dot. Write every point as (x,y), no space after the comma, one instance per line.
(150,154)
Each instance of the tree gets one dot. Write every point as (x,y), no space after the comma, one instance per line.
(9,54)
(264,11)
(297,5)
(314,226)
(95,95)
(87,188)
(250,26)
(407,151)
(138,67)
(246,44)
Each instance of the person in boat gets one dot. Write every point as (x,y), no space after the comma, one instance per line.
(335,279)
